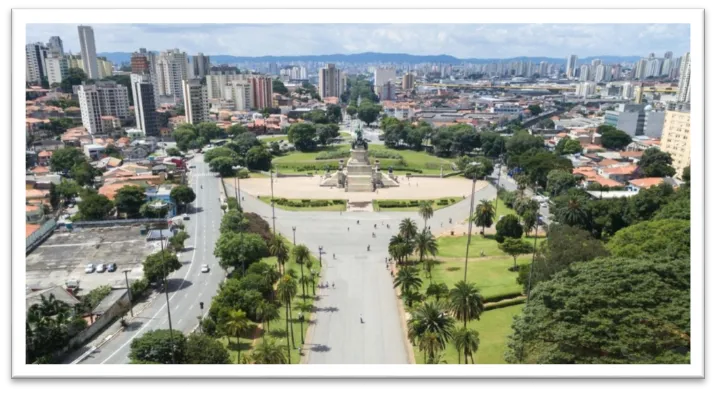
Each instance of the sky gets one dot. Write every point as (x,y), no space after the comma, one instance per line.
(459,40)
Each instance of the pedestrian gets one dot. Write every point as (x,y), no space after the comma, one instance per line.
(349,229)
(333,284)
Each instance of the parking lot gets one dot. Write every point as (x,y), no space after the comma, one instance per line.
(64,255)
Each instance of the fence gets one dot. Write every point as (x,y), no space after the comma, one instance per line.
(110,223)
(40,235)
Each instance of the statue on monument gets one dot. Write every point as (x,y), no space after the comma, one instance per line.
(359,142)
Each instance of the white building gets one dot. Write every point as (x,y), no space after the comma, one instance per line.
(55,46)
(602,73)
(144,105)
(640,71)
(627,91)
(571,67)
(104,98)
(506,108)
(653,68)
(196,107)
(584,73)
(586,89)
(218,78)
(239,91)
(89,51)
(35,62)
(56,69)
(330,81)
(685,78)
(94,152)
(381,76)
(172,69)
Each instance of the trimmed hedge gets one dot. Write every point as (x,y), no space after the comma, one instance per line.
(497,298)
(337,154)
(505,303)
(308,202)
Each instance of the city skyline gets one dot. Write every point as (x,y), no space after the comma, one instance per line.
(460,40)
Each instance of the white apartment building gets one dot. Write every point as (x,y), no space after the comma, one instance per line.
(217,83)
(640,71)
(172,69)
(200,65)
(684,94)
(104,98)
(627,91)
(35,62)
(56,69)
(571,66)
(586,89)
(196,107)
(89,51)
(239,91)
(584,73)
(653,68)
(603,73)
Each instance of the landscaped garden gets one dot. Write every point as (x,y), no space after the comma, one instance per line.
(307,204)
(411,205)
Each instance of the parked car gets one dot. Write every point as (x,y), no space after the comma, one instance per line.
(112,267)
(185,216)
(89,268)
(101,268)
(205,268)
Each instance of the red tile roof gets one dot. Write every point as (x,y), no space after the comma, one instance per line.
(621,170)
(30,228)
(647,182)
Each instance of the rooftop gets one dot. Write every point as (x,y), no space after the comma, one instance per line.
(647,182)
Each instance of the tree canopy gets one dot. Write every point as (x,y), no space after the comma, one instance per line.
(656,163)
(258,158)
(94,207)
(129,199)
(224,166)
(653,238)
(155,347)
(303,136)
(182,195)
(74,77)
(239,250)
(613,138)
(368,111)
(159,265)
(508,226)
(64,158)
(202,349)
(559,182)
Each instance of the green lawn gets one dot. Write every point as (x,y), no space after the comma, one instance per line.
(274,139)
(332,208)
(376,207)
(454,246)
(278,327)
(490,275)
(494,327)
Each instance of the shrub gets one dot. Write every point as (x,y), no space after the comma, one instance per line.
(505,303)
(138,288)
(497,298)
(338,201)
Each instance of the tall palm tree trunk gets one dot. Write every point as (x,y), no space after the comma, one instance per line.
(290,312)
(288,343)
(303,284)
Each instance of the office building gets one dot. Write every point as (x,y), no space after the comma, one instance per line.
(196,103)
(172,69)
(684,94)
(200,65)
(387,92)
(329,81)
(653,122)
(584,73)
(636,120)
(144,104)
(239,92)
(571,66)
(676,139)
(89,51)
(381,75)
(35,62)
(408,81)
(104,98)
(55,46)
(56,69)
(261,92)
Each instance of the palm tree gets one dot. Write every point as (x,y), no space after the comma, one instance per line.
(409,281)
(429,318)
(266,312)
(529,220)
(573,213)
(407,229)
(429,343)
(301,254)
(236,324)
(466,341)
(287,290)
(438,291)
(312,279)
(269,352)
(484,214)
(400,247)
(522,182)
(425,243)
(465,302)
(426,211)
(278,248)
(269,277)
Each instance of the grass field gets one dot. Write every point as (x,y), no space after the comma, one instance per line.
(454,246)
(494,327)
(278,327)
(376,207)
(274,139)
(331,208)
(490,275)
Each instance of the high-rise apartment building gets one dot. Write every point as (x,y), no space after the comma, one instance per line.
(602,73)
(596,62)
(57,69)
(543,69)
(329,81)
(676,139)
(200,65)
(641,67)
(571,66)
(585,73)
(144,104)
(140,63)
(627,91)
(55,46)
(218,78)
(586,89)
(89,51)
(684,94)
(653,68)
(239,91)
(35,62)
(665,67)
(172,69)
(196,103)
(387,92)
(104,98)
(261,92)
(408,81)
(381,76)
(668,55)
(105,67)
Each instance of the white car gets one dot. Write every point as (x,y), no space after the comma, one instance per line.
(185,216)
(101,268)
(205,268)
(89,268)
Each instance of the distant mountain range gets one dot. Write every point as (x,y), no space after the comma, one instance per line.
(372,57)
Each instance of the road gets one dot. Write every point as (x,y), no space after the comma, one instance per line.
(187,286)
(509,184)
(370,134)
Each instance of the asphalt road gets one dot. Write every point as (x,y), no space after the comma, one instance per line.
(187,286)
(510,185)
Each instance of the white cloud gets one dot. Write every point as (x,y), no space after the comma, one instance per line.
(460,40)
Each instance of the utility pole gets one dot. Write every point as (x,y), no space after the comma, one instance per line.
(166,292)
(129,292)
(469,219)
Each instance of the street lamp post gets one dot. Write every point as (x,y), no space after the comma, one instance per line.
(320,256)
(469,219)
(294,235)
(301,318)
(129,292)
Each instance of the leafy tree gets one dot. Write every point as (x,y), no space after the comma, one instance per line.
(59,125)
(184,136)
(655,238)
(326,132)
(233,221)
(508,226)
(236,129)
(656,163)
(209,131)
(279,87)
(351,110)
(258,158)
(467,342)
(267,311)
(54,196)
(438,291)
(609,311)
(268,351)
(239,250)
(236,324)
(678,208)
(612,138)
(157,346)
(84,173)
(514,248)
(129,200)
(174,152)
(484,214)
(334,113)
(568,146)
(400,247)
(522,142)
(686,175)
(94,207)
(574,211)
(564,246)
(64,158)
(224,166)
(492,144)
(202,349)
(535,109)
(177,241)
(429,320)
(148,211)
(408,279)
(316,116)
(537,164)
(559,181)
(303,136)
(464,139)
(368,112)
(159,265)
(75,77)
(648,201)
(483,168)
(217,152)
(182,195)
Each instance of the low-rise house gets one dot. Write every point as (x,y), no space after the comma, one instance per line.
(37,197)
(46,144)
(43,158)
(34,213)
(93,151)
(643,183)
(622,173)
(162,193)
